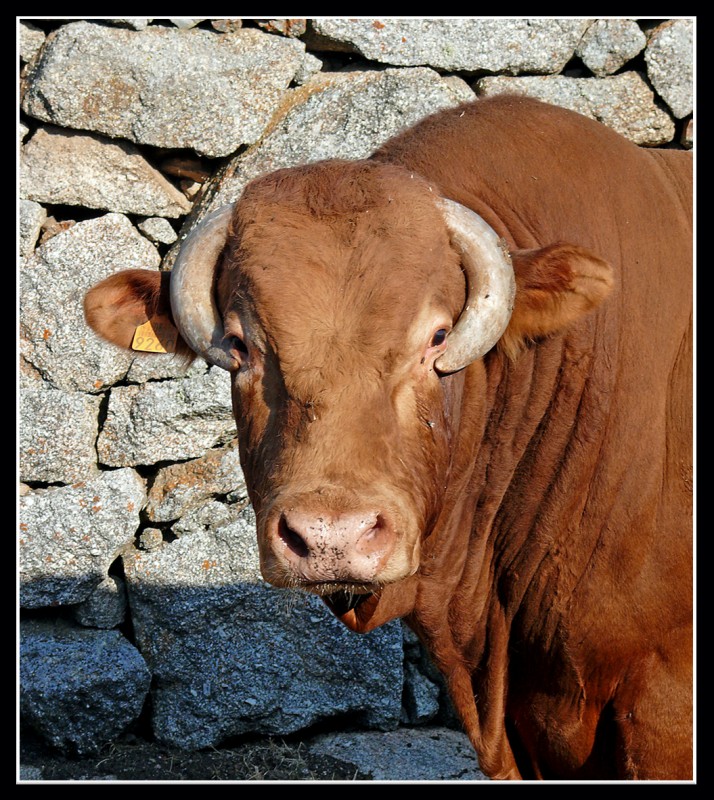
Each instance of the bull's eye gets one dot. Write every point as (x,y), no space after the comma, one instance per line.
(439,337)
(239,346)
(238,349)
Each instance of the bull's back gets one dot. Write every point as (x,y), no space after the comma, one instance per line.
(540,173)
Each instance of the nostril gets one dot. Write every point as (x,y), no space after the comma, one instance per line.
(292,539)
(373,541)
(374,530)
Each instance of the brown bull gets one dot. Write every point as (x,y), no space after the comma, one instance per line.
(461,377)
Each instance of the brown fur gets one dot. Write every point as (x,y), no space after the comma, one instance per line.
(537,504)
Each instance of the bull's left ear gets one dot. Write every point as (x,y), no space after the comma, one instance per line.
(131,309)
(555,286)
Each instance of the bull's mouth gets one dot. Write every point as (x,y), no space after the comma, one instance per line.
(325,588)
(354,606)
(362,607)
(345,599)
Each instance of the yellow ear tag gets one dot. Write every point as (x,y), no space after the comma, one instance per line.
(157,335)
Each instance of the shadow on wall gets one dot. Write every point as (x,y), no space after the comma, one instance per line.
(222,659)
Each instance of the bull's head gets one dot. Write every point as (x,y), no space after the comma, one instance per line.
(342,297)
(337,325)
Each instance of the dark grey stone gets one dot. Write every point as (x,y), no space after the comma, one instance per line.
(407,754)
(79,688)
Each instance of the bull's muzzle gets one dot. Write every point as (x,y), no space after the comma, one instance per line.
(324,551)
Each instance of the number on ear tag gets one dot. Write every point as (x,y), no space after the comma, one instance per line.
(157,335)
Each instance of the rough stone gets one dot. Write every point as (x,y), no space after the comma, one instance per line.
(69,536)
(31,40)
(80,688)
(426,698)
(229,25)
(23,130)
(687,139)
(310,67)
(75,169)
(166,420)
(159,366)
(30,773)
(32,217)
(151,539)
(105,607)
(51,227)
(136,23)
(608,44)
(623,102)
(209,516)
(287,27)
(58,431)
(163,86)
(179,488)
(158,229)
(232,655)
(407,754)
(336,115)
(54,338)
(421,697)
(514,45)
(670,64)
(186,22)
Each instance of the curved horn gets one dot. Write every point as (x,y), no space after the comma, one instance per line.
(490,283)
(191,288)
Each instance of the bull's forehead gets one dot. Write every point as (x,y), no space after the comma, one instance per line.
(336,263)
(351,288)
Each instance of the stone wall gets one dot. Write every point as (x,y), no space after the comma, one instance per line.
(139,584)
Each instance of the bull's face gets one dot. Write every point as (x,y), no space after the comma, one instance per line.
(335,298)
(336,307)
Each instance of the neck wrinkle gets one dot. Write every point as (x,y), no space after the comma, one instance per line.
(459,609)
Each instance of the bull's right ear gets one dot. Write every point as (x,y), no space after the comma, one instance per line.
(556,285)
(132,309)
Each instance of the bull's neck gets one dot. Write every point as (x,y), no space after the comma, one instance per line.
(507,457)
(505,464)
